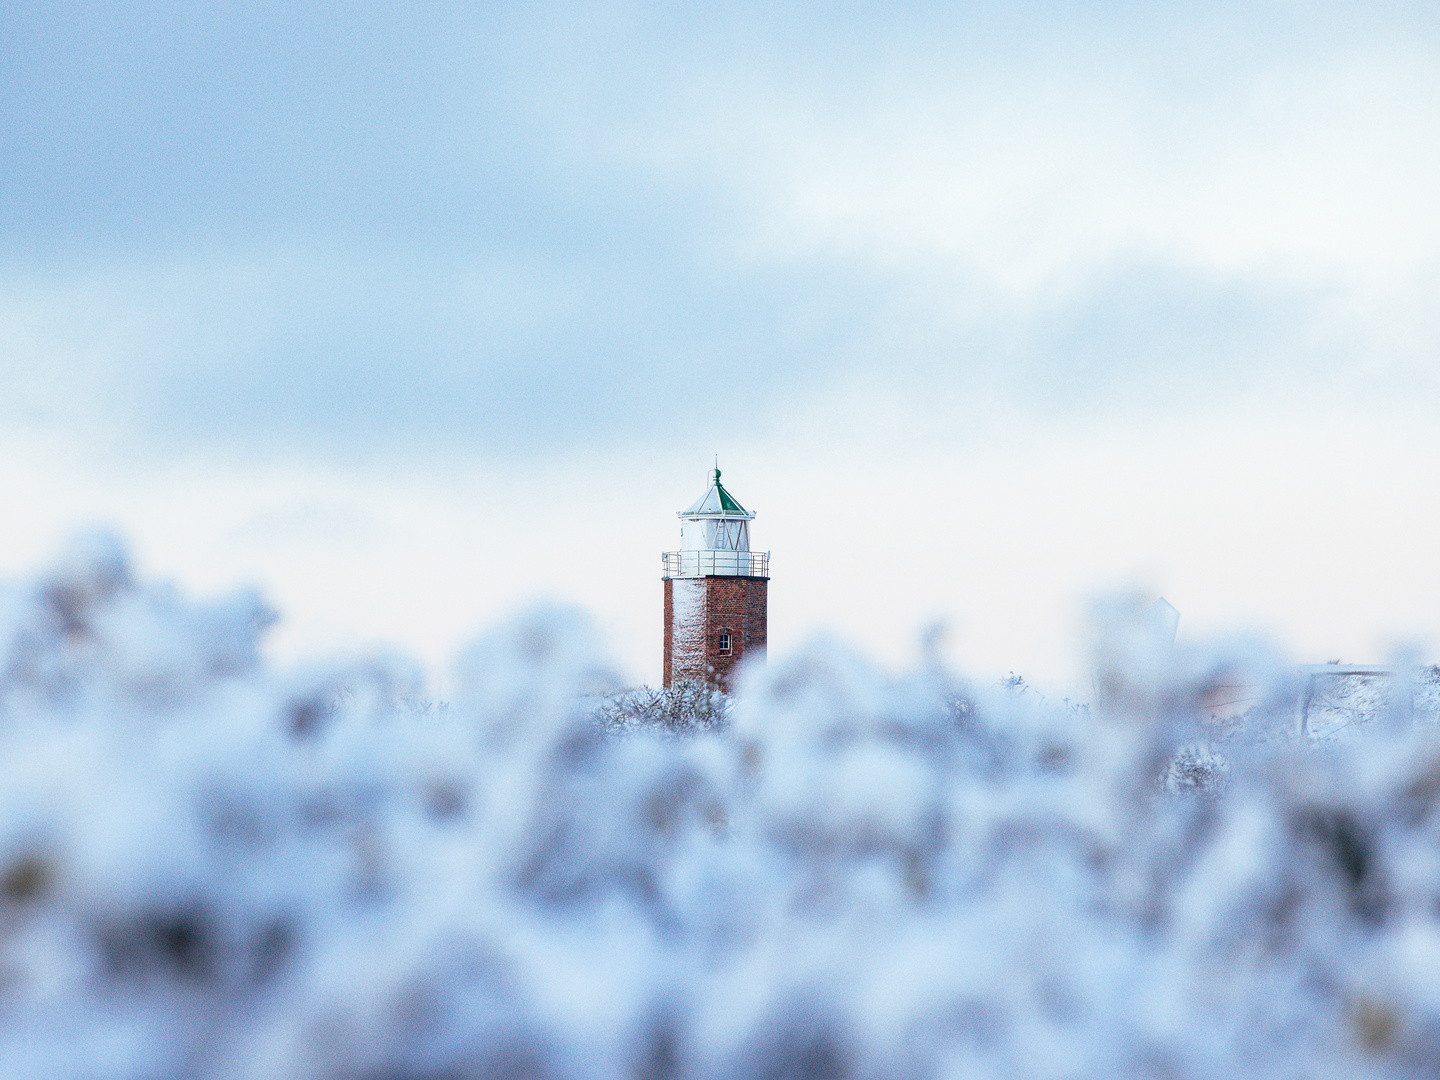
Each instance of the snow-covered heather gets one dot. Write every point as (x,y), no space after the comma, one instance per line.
(213,869)
(686,708)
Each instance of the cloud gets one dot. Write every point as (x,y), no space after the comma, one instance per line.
(521,230)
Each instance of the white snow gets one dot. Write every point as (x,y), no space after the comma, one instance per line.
(209,868)
(687,628)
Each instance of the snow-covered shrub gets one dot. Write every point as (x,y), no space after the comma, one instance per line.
(1340,708)
(212,869)
(685,707)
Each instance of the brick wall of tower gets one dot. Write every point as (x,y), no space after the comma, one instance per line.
(739,605)
(735,604)
(669,626)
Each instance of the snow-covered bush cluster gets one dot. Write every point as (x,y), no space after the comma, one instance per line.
(211,869)
(684,708)
(1344,708)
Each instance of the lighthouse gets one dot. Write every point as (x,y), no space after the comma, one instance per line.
(715,591)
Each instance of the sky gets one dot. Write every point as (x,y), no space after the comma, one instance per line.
(413,315)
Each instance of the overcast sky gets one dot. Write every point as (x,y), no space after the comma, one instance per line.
(413,313)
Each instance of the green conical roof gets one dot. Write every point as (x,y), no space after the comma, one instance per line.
(716,502)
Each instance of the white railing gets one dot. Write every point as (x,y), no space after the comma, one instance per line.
(708,563)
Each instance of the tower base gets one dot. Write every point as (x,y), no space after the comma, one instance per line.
(711,625)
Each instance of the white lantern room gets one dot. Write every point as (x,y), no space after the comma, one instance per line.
(715,538)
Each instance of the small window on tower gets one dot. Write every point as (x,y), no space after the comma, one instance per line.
(724,642)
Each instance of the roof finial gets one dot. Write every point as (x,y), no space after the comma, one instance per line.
(717,468)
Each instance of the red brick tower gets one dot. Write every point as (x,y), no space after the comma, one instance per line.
(715,591)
